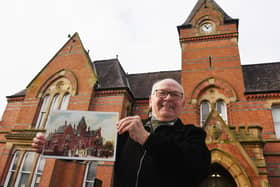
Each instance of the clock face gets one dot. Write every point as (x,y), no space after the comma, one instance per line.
(207,28)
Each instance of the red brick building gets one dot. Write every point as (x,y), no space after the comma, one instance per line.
(238,106)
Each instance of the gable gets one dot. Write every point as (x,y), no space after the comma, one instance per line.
(70,58)
(216,129)
(206,4)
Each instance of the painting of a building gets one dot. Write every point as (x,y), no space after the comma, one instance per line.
(237,105)
(78,141)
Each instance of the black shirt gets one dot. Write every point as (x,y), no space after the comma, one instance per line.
(173,156)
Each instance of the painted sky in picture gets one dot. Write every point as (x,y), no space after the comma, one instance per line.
(95,120)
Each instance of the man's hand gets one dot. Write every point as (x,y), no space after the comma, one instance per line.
(134,126)
(39,141)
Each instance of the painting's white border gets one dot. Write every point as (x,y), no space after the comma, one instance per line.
(111,117)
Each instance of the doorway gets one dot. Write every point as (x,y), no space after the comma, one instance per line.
(218,177)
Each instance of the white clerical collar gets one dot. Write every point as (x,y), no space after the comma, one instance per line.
(154,120)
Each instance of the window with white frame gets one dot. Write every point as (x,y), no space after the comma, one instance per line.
(38,172)
(205,108)
(25,169)
(54,106)
(90,174)
(43,112)
(21,169)
(221,108)
(65,101)
(12,169)
(276,119)
(55,103)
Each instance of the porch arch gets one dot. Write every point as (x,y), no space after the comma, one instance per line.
(232,166)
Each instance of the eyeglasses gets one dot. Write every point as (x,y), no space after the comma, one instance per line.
(164,93)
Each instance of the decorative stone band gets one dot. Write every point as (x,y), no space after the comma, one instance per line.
(210,37)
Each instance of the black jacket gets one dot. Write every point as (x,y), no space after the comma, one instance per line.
(172,156)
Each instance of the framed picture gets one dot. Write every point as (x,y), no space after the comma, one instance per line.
(81,135)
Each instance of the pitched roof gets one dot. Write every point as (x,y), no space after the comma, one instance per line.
(110,74)
(74,38)
(258,78)
(141,84)
(198,6)
(261,78)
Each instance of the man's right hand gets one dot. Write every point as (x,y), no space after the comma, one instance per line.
(135,128)
(38,142)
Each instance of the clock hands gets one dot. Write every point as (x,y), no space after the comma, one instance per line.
(207,27)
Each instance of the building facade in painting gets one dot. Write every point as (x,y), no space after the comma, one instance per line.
(237,105)
(77,140)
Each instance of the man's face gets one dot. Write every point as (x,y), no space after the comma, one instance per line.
(167,100)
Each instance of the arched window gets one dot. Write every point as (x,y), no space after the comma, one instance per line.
(57,97)
(205,108)
(221,108)
(276,119)
(55,103)
(43,112)
(65,101)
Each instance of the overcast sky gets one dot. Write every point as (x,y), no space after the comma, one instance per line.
(142,33)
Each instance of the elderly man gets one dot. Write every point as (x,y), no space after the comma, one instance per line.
(161,151)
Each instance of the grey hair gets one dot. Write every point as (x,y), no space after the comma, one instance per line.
(167,79)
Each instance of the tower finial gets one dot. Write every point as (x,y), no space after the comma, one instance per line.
(205,3)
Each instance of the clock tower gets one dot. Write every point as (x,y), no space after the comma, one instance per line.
(210,56)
